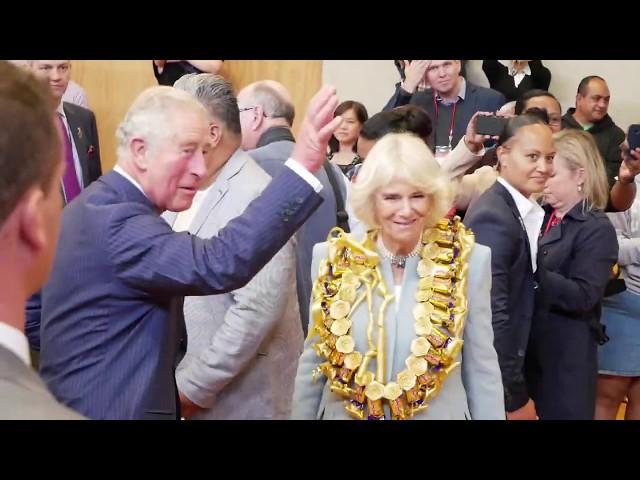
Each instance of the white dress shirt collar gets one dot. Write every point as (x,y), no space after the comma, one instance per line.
(121,171)
(531,216)
(15,341)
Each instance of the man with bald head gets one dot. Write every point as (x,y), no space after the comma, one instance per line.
(266,116)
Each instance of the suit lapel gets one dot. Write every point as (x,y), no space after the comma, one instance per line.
(553,235)
(213,198)
(218,190)
(503,193)
(79,134)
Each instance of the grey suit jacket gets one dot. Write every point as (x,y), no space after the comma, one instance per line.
(271,158)
(23,396)
(472,391)
(243,346)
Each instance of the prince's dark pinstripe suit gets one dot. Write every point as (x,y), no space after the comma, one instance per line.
(112,309)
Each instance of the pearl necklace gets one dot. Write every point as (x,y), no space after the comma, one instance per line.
(399,261)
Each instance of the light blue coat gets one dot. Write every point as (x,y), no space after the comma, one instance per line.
(472,391)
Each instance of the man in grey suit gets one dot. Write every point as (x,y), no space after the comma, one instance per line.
(243,346)
(30,206)
(266,117)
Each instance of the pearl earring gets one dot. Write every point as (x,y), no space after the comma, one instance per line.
(579,188)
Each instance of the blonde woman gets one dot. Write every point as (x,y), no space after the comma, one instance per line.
(576,253)
(402,321)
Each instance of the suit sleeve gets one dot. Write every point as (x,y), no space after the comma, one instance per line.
(491,69)
(32,320)
(458,161)
(594,255)
(399,98)
(148,256)
(540,75)
(255,310)
(307,395)
(480,368)
(491,231)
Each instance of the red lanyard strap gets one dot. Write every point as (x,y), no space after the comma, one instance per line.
(453,116)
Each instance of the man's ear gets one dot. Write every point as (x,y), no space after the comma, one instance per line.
(215,135)
(258,117)
(139,150)
(29,216)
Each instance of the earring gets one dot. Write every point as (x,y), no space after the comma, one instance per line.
(580,188)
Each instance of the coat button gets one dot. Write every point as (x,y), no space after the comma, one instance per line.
(520,352)
(544,252)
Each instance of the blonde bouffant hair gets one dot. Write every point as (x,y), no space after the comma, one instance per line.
(404,157)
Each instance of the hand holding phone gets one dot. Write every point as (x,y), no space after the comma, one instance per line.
(491,125)
(633,136)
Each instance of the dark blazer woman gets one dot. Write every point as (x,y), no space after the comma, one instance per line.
(575,259)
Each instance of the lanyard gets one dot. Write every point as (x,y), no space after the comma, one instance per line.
(453,117)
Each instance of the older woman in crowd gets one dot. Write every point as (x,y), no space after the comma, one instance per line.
(401,321)
(576,253)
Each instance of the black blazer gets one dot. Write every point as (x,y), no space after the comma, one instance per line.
(575,259)
(496,223)
(82,123)
(476,99)
(500,80)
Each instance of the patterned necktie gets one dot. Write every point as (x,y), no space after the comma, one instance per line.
(70,182)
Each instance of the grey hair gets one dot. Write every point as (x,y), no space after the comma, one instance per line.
(216,95)
(272,102)
(150,116)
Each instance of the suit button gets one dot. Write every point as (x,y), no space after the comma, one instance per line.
(535,285)
(520,352)
(544,252)
(299,200)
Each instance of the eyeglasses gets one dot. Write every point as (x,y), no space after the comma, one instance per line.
(244,109)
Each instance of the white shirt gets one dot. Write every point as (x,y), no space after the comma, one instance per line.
(76,159)
(15,341)
(121,171)
(532,217)
(518,75)
(75,94)
(184,218)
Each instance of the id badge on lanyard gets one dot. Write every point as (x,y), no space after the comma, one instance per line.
(442,151)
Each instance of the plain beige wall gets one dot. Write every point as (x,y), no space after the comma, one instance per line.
(372,81)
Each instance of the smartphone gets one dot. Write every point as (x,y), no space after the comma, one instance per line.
(492,125)
(633,136)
